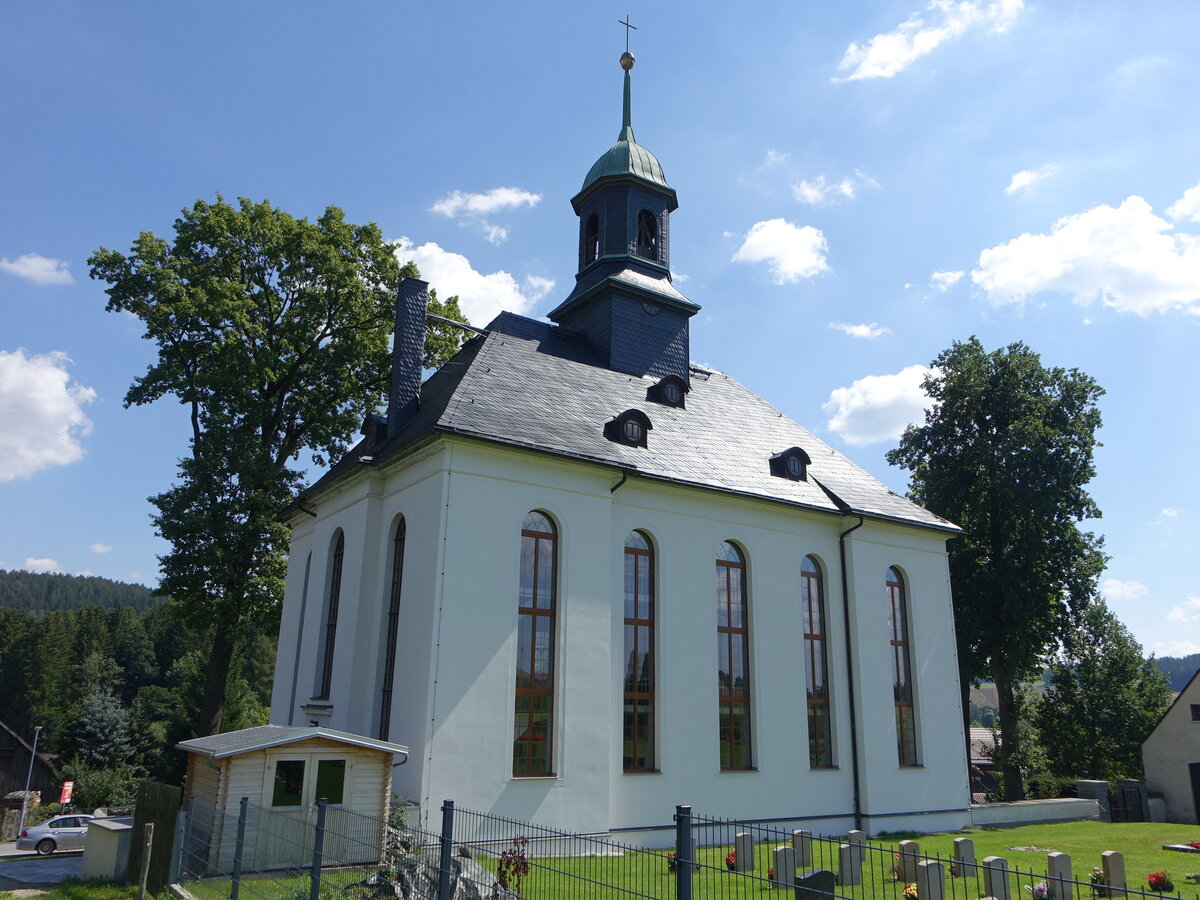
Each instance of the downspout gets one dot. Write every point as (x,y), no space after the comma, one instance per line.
(850,671)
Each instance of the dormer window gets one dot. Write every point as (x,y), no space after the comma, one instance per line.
(629,428)
(647,235)
(591,239)
(670,390)
(792,463)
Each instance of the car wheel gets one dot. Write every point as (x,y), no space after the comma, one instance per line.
(45,847)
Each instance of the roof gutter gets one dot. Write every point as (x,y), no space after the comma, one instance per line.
(850,670)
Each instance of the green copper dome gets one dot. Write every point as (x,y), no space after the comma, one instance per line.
(627,156)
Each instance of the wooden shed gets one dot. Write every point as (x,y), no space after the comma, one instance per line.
(284,771)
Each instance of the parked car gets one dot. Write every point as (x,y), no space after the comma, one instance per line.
(59,833)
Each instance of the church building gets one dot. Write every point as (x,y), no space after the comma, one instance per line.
(584,580)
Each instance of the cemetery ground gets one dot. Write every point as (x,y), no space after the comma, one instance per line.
(646,873)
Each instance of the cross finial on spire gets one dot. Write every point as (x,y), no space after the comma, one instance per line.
(628,28)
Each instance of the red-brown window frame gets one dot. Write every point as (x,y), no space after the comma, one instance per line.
(816,663)
(902,679)
(643,749)
(733,749)
(543,541)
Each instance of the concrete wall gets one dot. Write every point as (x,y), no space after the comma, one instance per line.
(464,503)
(1169,750)
(1031,812)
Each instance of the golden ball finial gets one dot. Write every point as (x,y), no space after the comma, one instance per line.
(626,60)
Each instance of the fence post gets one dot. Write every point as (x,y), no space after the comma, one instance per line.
(238,845)
(187,835)
(147,849)
(683,853)
(447,841)
(314,876)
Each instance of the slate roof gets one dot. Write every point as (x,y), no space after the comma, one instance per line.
(262,737)
(528,384)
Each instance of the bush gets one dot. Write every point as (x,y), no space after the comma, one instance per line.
(96,787)
(1044,786)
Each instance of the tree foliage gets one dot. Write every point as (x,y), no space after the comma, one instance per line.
(273,332)
(43,592)
(1006,453)
(1104,700)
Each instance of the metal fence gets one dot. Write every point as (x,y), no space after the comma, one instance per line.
(329,853)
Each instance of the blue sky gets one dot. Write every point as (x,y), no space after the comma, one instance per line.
(859,185)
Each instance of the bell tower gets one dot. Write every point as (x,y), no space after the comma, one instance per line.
(624,303)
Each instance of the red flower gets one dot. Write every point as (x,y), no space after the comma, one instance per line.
(731,860)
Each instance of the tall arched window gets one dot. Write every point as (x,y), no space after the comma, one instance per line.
(816,665)
(902,687)
(638,747)
(591,239)
(733,655)
(533,717)
(647,235)
(329,637)
(391,628)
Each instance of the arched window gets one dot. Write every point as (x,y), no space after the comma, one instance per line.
(331,616)
(902,688)
(647,235)
(638,746)
(533,718)
(816,665)
(391,627)
(733,659)
(591,239)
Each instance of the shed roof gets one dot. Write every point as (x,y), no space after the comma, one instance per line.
(263,737)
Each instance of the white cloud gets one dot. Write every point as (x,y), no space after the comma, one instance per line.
(1118,591)
(101,548)
(1187,207)
(877,407)
(38,269)
(791,252)
(1027,178)
(1175,648)
(821,190)
(481,297)
(891,52)
(943,281)
(474,209)
(773,158)
(44,564)
(41,414)
(864,330)
(1125,256)
(1186,612)
(1169,512)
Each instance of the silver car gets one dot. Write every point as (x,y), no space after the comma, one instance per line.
(59,833)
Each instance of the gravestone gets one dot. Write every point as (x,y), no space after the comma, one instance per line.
(785,864)
(802,844)
(910,854)
(1113,864)
(815,884)
(930,881)
(995,877)
(1058,876)
(849,863)
(964,856)
(743,848)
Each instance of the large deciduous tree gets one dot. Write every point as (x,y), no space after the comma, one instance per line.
(1104,699)
(1006,452)
(273,332)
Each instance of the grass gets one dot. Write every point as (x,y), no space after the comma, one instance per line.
(77,889)
(646,874)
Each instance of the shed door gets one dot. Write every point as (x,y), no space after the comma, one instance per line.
(294,782)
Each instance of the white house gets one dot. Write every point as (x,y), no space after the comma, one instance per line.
(584,580)
(1171,755)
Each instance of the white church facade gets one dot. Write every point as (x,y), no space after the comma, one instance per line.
(584,580)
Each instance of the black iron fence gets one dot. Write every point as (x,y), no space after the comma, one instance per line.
(329,853)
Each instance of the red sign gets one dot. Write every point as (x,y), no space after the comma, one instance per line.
(68,789)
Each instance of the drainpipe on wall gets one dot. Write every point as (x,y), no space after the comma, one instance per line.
(850,672)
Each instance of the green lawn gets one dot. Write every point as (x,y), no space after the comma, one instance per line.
(74,889)
(646,874)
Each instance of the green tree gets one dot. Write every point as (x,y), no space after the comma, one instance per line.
(1006,453)
(102,738)
(1104,700)
(273,332)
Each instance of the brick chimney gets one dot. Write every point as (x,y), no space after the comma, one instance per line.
(408,350)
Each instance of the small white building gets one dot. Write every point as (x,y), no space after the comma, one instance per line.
(585,580)
(284,772)
(1171,756)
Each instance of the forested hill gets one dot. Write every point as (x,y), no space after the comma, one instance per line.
(42,593)
(1179,669)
